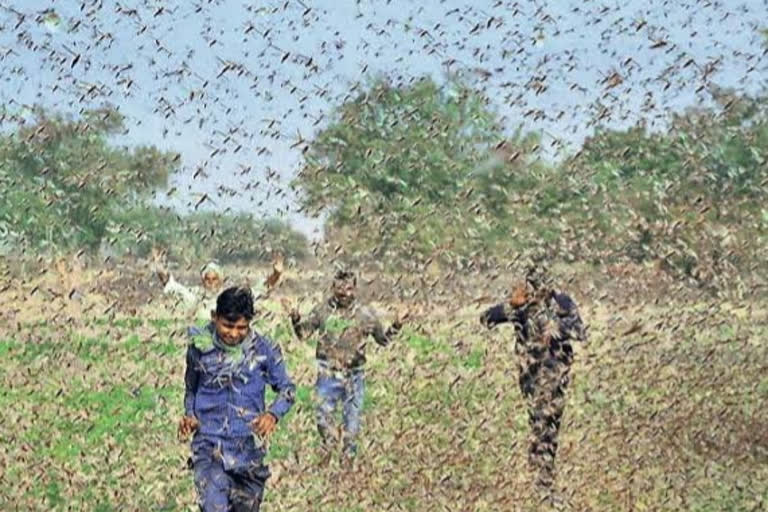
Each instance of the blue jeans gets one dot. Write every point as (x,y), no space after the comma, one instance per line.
(239,488)
(347,387)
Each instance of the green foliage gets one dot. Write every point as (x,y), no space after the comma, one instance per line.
(691,197)
(67,188)
(64,181)
(419,171)
(392,143)
(400,168)
(228,238)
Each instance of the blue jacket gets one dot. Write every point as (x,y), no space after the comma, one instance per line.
(224,393)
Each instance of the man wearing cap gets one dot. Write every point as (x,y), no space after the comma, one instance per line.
(200,301)
(344,325)
(545,321)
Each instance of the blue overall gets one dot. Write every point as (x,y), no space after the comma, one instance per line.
(225,393)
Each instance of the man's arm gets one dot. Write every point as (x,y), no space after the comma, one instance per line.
(509,310)
(372,326)
(277,270)
(571,325)
(182,293)
(191,379)
(498,314)
(314,321)
(278,379)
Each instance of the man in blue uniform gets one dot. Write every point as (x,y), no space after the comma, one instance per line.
(228,368)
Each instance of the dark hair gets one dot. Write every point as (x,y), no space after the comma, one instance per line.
(345,275)
(235,302)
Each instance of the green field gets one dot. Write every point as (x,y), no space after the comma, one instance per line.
(672,417)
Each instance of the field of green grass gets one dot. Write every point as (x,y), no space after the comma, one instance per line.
(673,416)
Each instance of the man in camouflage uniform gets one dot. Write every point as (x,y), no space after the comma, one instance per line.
(545,322)
(343,324)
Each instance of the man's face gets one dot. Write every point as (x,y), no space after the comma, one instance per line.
(211,281)
(344,291)
(229,332)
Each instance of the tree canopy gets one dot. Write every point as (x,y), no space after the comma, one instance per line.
(424,170)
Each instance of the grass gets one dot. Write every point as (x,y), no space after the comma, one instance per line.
(677,422)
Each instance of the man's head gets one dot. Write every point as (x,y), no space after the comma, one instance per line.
(537,270)
(233,314)
(211,276)
(344,287)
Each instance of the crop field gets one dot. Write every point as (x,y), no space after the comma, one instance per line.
(666,411)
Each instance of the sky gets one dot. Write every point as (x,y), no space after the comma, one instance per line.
(233,85)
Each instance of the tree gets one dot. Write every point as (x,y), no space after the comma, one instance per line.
(426,171)
(64,181)
(403,170)
(65,187)
(691,197)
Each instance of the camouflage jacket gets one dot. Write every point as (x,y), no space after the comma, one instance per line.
(544,328)
(343,332)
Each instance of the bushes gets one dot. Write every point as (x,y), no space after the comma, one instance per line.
(226,238)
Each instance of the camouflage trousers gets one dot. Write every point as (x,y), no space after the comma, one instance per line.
(543,384)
